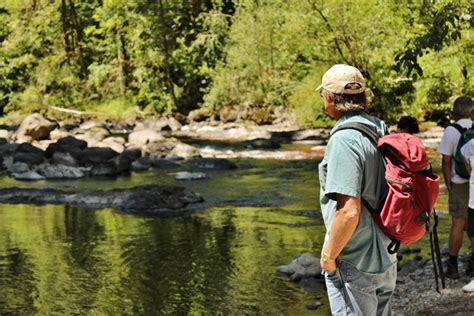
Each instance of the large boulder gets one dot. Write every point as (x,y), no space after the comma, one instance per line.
(185,151)
(65,158)
(198,115)
(60,171)
(94,155)
(122,163)
(66,148)
(58,134)
(116,143)
(27,175)
(71,142)
(132,153)
(145,199)
(28,154)
(5,134)
(7,151)
(98,133)
(161,148)
(164,164)
(34,127)
(141,138)
(304,266)
(104,169)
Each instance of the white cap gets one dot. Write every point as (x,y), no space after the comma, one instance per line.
(343,79)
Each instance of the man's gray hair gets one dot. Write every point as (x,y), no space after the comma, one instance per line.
(346,103)
(462,107)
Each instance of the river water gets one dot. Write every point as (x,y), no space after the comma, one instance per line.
(219,261)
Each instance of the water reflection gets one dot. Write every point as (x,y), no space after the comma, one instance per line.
(66,260)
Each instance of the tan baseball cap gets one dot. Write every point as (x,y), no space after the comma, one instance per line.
(343,79)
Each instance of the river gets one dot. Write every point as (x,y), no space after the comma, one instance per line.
(220,260)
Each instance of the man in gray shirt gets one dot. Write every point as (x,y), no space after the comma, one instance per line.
(360,273)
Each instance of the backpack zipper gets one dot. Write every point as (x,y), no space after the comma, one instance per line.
(398,182)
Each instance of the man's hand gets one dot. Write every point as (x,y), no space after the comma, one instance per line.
(328,266)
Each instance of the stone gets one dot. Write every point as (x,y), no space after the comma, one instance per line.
(28,175)
(104,169)
(34,127)
(95,155)
(58,134)
(145,199)
(184,175)
(174,124)
(261,143)
(138,165)
(98,133)
(115,143)
(122,163)
(304,266)
(184,151)
(64,158)
(132,153)
(141,138)
(60,171)
(164,164)
(161,148)
(5,134)
(19,167)
(71,142)
(28,154)
(198,115)
(212,164)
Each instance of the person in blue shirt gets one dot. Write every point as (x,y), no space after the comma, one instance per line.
(360,274)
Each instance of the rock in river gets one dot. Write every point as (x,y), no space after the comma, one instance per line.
(145,199)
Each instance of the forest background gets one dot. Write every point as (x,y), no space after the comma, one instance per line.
(164,57)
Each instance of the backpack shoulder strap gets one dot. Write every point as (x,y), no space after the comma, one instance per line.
(373,135)
(458,127)
(367,130)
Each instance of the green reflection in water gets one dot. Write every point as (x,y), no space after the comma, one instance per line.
(67,260)
(63,260)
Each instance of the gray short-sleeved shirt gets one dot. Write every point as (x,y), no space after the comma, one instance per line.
(352,166)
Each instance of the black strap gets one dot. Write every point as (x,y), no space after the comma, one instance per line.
(393,247)
(367,130)
(372,134)
(436,245)
(458,127)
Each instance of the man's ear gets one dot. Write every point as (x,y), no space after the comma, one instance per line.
(327,98)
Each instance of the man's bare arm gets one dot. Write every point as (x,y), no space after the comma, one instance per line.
(467,164)
(446,166)
(342,228)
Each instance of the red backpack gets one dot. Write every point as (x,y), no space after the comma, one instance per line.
(403,213)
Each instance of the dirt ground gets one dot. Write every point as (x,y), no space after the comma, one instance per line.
(416,295)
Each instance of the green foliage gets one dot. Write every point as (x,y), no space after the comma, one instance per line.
(444,22)
(164,56)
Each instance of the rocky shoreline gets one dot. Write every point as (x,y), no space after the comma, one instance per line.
(40,148)
(415,293)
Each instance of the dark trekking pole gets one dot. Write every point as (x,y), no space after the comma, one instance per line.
(435,269)
(438,252)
